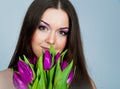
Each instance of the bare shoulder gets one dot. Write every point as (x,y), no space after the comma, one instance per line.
(6,79)
(93,85)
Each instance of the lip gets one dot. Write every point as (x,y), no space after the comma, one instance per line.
(45,48)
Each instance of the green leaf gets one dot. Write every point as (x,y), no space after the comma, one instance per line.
(12,69)
(27,62)
(38,73)
(61,85)
(50,86)
(50,79)
(53,60)
(29,86)
(35,84)
(41,71)
(61,79)
(73,76)
(57,72)
(63,54)
(52,71)
(52,50)
(41,84)
(67,70)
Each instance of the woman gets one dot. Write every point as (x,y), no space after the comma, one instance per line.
(50,22)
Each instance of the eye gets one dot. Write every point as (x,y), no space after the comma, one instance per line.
(63,33)
(42,28)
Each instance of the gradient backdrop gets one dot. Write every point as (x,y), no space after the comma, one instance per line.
(100,29)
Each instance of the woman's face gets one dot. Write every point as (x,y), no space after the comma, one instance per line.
(52,30)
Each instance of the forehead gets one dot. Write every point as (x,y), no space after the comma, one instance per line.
(55,17)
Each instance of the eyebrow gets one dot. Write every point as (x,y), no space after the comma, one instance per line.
(49,25)
(45,22)
(65,28)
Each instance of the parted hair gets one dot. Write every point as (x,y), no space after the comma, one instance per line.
(81,79)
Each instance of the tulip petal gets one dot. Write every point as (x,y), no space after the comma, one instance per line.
(30,65)
(47,60)
(34,61)
(19,84)
(25,72)
(63,65)
(57,57)
(70,77)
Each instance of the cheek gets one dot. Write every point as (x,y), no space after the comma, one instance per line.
(35,39)
(35,43)
(61,43)
(38,37)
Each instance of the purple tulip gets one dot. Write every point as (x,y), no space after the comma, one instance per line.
(70,77)
(19,84)
(57,57)
(34,61)
(25,72)
(63,65)
(47,60)
(71,74)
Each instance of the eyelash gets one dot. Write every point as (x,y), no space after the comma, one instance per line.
(63,33)
(42,28)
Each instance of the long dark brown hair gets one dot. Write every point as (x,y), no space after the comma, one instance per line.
(74,42)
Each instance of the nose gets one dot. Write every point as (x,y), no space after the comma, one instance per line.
(51,38)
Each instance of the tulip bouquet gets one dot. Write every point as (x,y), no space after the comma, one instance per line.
(49,71)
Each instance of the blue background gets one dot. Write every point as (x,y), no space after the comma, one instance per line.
(100,29)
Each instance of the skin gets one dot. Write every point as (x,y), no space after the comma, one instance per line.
(6,79)
(50,30)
